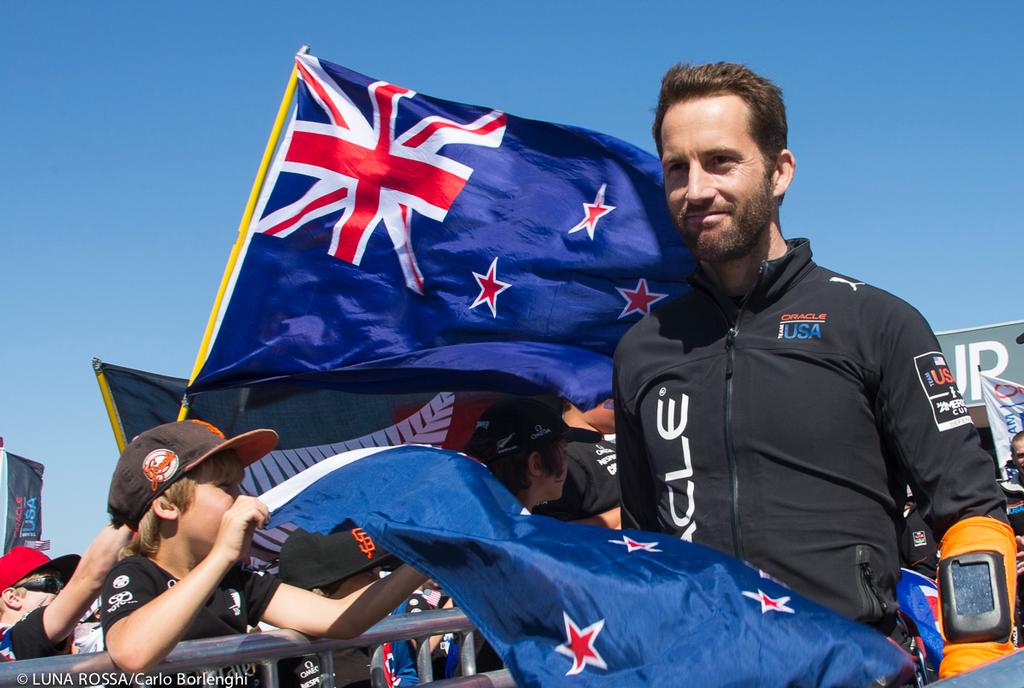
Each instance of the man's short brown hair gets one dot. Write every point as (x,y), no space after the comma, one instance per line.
(767,111)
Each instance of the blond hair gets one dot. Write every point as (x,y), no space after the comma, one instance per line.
(222,467)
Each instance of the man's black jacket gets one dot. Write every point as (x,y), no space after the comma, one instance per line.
(784,429)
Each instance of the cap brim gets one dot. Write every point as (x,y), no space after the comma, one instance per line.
(249,447)
(581,435)
(65,566)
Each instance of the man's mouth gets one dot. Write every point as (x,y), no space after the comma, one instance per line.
(695,220)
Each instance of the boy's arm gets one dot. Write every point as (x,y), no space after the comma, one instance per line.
(141,640)
(61,616)
(308,613)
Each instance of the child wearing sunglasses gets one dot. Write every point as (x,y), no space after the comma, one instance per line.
(42,599)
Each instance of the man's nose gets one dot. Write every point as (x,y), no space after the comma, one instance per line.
(699,187)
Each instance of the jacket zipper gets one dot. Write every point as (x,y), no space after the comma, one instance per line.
(730,453)
(730,450)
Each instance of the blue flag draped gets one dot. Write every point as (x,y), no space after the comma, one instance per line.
(566,604)
(406,243)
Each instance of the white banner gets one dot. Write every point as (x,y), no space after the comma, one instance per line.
(1004,405)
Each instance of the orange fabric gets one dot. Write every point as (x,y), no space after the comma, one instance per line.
(979,534)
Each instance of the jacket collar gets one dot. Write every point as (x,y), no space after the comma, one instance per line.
(777,276)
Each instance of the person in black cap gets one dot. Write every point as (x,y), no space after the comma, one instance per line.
(522,441)
(336,566)
(178,486)
(42,599)
(590,494)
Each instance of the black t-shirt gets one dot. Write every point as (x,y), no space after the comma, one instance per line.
(591,486)
(26,639)
(237,603)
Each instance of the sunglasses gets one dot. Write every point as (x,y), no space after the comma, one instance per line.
(47,584)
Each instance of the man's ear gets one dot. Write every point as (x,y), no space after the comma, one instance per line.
(782,175)
(11,600)
(534,465)
(164,509)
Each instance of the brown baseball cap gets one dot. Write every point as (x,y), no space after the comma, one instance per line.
(154,460)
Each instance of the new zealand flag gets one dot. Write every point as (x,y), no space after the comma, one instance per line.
(572,605)
(405,243)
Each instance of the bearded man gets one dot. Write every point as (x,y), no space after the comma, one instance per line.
(778,410)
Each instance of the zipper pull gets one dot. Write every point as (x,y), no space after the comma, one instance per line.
(730,342)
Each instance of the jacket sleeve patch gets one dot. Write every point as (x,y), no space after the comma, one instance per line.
(948,406)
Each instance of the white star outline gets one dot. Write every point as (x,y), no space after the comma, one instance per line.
(590,655)
(490,299)
(592,213)
(769,604)
(641,290)
(633,546)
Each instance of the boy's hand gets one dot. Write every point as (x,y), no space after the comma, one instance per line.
(237,526)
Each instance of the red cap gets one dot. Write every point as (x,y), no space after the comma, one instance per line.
(24,561)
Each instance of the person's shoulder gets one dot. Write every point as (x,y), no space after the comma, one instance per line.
(854,290)
(135,564)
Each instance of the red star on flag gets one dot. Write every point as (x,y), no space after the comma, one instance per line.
(490,287)
(579,645)
(639,300)
(632,545)
(768,604)
(592,212)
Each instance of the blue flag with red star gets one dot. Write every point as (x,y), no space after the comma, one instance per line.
(406,243)
(571,605)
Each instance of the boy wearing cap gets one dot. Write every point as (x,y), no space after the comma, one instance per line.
(177,485)
(42,599)
(522,441)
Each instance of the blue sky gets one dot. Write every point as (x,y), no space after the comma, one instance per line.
(133,132)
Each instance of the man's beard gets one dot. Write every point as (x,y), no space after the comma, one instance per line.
(749,223)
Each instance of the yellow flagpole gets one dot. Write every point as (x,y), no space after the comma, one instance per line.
(243,227)
(108,403)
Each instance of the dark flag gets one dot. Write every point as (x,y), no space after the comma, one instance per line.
(21,489)
(601,607)
(402,242)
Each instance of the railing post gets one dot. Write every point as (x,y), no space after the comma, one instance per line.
(326,669)
(424,667)
(377,668)
(467,654)
(269,671)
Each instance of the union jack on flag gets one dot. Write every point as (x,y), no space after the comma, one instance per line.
(406,243)
(368,172)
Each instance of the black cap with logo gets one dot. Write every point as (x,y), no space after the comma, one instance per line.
(521,424)
(310,560)
(155,459)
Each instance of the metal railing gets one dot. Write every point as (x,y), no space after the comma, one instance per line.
(264,650)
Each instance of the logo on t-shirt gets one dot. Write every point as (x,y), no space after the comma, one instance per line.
(236,601)
(919,538)
(118,600)
(121,581)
